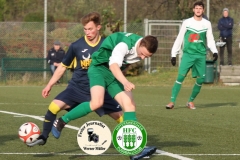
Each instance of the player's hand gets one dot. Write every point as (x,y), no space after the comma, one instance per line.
(46,91)
(55,64)
(128,86)
(215,57)
(173,61)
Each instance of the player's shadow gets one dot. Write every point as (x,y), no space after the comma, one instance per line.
(6,138)
(153,141)
(230,104)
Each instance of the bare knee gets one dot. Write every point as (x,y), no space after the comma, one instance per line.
(125,99)
(128,105)
(95,104)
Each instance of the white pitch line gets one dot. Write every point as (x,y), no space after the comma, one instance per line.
(111,154)
(177,156)
(210,154)
(36,117)
(60,154)
(77,128)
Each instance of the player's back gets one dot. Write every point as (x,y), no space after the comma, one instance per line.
(106,48)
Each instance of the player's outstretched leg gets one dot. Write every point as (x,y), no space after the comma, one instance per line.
(50,117)
(57,127)
(40,141)
(147,151)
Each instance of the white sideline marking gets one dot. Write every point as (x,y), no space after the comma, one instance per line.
(177,156)
(61,154)
(160,152)
(111,154)
(36,117)
(211,154)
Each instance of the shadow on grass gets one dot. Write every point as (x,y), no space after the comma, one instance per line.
(217,104)
(208,105)
(7,138)
(154,141)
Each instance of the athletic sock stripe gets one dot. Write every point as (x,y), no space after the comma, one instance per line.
(178,82)
(198,84)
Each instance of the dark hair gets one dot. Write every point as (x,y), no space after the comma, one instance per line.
(150,42)
(93,16)
(198,3)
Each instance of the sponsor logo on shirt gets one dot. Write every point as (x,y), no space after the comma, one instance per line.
(85,63)
(84,50)
(194,37)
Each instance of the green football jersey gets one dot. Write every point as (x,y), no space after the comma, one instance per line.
(196,37)
(126,54)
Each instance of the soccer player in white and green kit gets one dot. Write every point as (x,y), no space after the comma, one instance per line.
(196,36)
(105,73)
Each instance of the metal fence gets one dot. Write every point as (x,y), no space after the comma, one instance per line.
(167,31)
(26,40)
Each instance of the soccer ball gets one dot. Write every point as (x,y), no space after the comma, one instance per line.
(29,132)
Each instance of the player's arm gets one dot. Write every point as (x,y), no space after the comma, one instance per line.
(211,42)
(66,61)
(57,75)
(68,58)
(178,43)
(179,40)
(115,63)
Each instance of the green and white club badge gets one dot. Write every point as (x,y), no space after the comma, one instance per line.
(129,137)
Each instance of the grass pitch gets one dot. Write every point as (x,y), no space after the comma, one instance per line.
(210,132)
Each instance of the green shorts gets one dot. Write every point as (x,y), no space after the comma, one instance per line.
(100,75)
(195,62)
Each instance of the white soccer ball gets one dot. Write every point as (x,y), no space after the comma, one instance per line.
(29,132)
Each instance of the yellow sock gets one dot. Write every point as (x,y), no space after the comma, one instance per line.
(120,119)
(54,108)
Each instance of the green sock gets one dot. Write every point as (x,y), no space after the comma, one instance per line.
(78,112)
(129,116)
(175,90)
(195,91)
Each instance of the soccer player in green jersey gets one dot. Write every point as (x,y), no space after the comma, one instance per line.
(78,58)
(196,35)
(105,73)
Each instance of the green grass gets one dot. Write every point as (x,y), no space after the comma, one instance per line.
(212,128)
(164,77)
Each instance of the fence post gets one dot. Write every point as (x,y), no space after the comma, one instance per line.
(146,65)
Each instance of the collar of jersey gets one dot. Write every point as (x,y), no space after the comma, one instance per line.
(90,44)
(135,47)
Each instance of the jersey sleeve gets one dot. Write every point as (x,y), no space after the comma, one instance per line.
(179,40)
(210,39)
(118,54)
(69,57)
